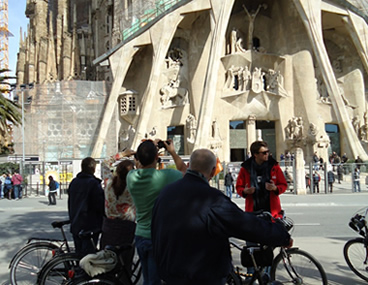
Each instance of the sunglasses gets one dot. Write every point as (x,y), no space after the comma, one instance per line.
(264,152)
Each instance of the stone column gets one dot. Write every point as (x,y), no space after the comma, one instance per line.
(299,183)
(251,130)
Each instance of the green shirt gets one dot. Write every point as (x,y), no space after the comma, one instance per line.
(145,186)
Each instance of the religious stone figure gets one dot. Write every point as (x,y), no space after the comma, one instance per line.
(126,137)
(257,80)
(151,134)
(356,124)
(191,124)
(252,16)
(172,95)
(236,43)
(294,129)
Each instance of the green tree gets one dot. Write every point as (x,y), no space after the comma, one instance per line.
(10,114)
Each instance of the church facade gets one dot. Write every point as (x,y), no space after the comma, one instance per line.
(215,74)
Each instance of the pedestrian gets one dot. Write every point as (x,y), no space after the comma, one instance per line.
(358,162)
(119,225)
(316,180)
(86,206)
(315,161)
(330,178)
(261,181)
(228,181)
(339,173)
(192,223)
(8,189)
(289,178)
(53,188)
(17,180)
(307,181)
(2,185)
(344,158)
(356,176)
(145,185)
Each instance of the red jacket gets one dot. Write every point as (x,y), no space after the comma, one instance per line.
(276,176)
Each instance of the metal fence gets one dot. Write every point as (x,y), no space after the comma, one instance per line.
(343,180)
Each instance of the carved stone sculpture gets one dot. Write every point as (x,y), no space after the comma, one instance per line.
(294,129)
(172,95)
(251,17)
(191,124)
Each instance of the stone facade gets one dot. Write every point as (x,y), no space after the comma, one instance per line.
(283,71)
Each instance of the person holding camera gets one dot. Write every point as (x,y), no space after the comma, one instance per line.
(145,185)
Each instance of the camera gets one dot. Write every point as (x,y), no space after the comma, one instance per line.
(161,144)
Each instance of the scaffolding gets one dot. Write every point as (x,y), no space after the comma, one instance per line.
(4,35)
(62,119)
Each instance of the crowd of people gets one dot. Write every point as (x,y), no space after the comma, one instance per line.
(179,224)
(11,186)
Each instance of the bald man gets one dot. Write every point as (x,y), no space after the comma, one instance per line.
(191,225)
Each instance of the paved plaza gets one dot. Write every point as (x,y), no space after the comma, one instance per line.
(32,216)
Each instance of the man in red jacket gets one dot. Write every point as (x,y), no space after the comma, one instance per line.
(261,181)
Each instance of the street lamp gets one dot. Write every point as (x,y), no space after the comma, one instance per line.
(22,88)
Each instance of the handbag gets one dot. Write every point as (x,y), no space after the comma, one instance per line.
(263,256)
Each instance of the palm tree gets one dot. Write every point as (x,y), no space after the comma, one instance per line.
(9,113)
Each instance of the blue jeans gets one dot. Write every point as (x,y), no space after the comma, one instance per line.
(229,191)
(2,190)
(356,185)
(16,191)
(148,263)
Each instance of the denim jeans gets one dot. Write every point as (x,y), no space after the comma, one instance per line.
(2,190)
(229,191)
(16,191)
(356,186)
(148,263)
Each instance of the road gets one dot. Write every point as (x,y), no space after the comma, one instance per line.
(321,227)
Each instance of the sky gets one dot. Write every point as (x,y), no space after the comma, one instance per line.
(17,19)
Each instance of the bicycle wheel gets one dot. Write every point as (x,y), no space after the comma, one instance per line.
(60,269)
(356,255)
(28,262)
(233,279)
(294,266)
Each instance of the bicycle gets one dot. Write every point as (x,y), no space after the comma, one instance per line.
(29,260)
(65,268)
(62,268)
(115,273)
(356,250)
(290,266)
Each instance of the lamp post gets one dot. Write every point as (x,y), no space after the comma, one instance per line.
(24,87)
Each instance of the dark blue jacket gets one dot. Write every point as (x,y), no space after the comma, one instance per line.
(85,203)
(191,225)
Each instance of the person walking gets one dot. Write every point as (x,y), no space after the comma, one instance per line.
(356,177)
(144,185)
(192,222)
(53,187)
(17,180)
(86,206)
(229,184)
(316,180)
(330,179)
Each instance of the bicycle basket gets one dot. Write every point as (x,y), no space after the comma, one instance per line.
(263,256)
(358,224)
